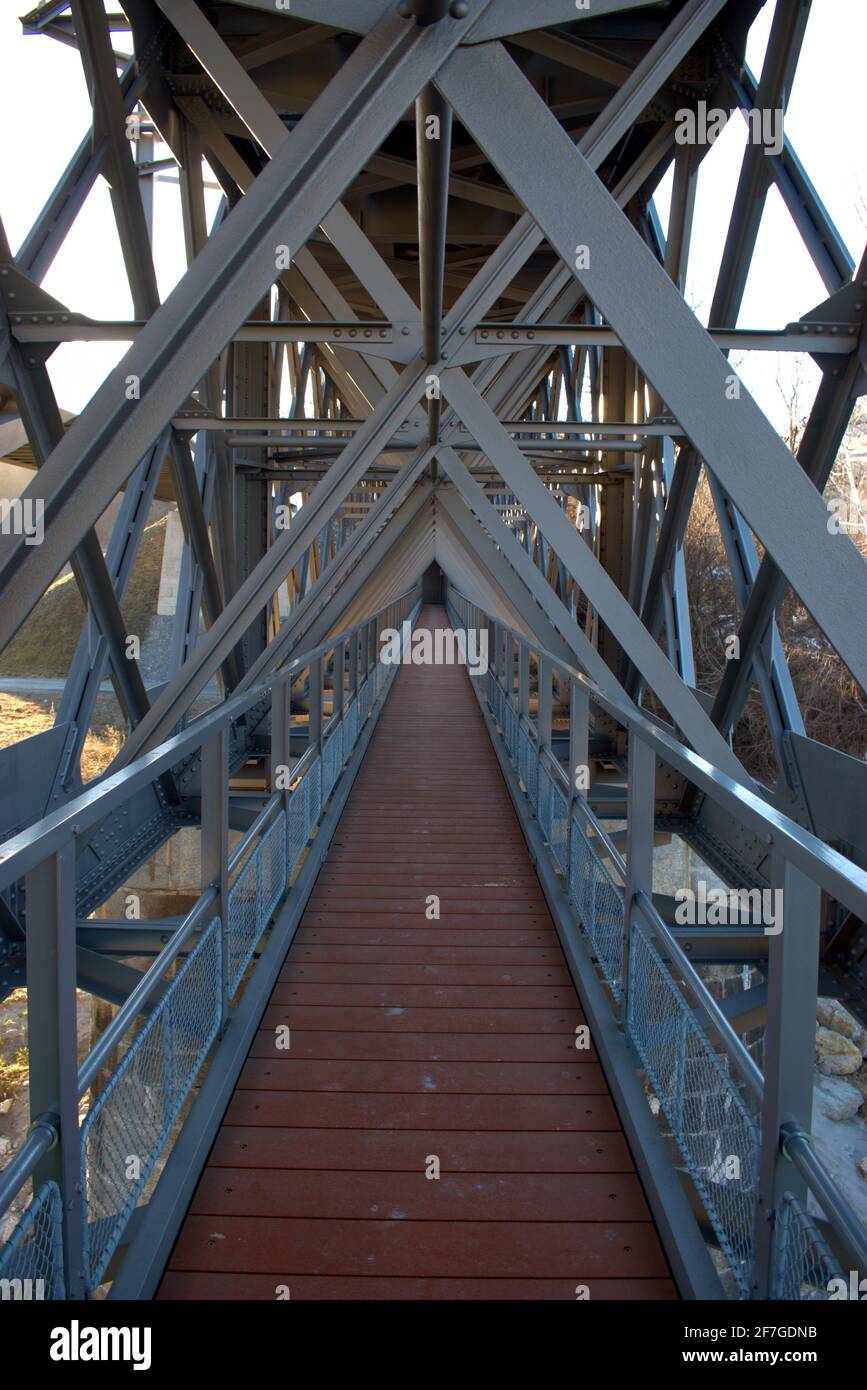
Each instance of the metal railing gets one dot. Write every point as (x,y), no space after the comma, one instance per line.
(742,1134)
(92,1175)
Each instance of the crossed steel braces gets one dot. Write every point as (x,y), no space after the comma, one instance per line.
(467,474)
(446,431)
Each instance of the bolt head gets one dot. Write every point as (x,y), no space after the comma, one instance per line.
(460,9)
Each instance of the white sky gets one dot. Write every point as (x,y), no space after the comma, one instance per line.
(44,110)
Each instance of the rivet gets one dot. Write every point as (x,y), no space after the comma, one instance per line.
(460,9)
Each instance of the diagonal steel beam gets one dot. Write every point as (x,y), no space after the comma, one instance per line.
(585,654)
(359,544)
(589,574)
(501,574)
(498,105)
(108,120)
(265,125)
(235,269)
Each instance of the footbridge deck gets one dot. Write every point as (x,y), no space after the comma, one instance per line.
(429,1129)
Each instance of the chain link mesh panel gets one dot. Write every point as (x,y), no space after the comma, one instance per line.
(129,1122)
(350,728)
(332,760)
(31,1261)
(528,760)
(803,1264)
(253,897)
(305,804)
(553,816)
(598,901)
(701,1100)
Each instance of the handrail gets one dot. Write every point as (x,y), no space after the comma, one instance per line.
(246,892)
(765,1260)
(42,1137)
(716,1019)
(32,845)
(838,875)
(798,1146)
(147,985)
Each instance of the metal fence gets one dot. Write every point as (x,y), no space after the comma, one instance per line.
(31,1261)
(709,1117)
(253,897)
(144,1068)
(128,1124)
(698,1074)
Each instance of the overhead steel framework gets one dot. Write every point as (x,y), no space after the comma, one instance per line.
(435,322)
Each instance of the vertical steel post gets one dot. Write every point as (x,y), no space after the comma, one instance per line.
(640,817)
(215,844)
(53,1043)
(281,736)
(338,680)
(790,1042)
(314,705)
(544,716)
(523,679)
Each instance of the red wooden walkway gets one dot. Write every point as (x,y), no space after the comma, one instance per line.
(413,1038)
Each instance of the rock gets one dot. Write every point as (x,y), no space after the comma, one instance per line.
(5,1146)
(831,1013)
(836,1098)
(859,1079)
(862,1168)
(5,1105)
(836,1055)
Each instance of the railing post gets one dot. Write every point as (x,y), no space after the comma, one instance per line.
(281,738)
(53,1043)
(544,717)
(353,664)
(215,845)
(789,1043)
(314,704)
(579,740)
(523,679)
(338,680)
(640,822)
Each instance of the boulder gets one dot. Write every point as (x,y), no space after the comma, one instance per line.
(836,1098)
(859,1080)
(836,1055)
(831,1013)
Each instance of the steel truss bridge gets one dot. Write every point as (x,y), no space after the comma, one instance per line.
(420,935)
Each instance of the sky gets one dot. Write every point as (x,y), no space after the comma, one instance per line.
(825,123)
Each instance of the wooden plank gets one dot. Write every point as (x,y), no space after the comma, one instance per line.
(459,1151)
(280,1073)
(411,1038)
(379,973)
(402,1196)
(337,1110)
(403,1019)
(215,1286)
(400,1248)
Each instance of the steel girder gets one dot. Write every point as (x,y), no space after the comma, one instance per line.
(321,287)
(669,343)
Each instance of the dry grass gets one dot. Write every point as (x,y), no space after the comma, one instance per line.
(833,706)
(46,644)
(21,719)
